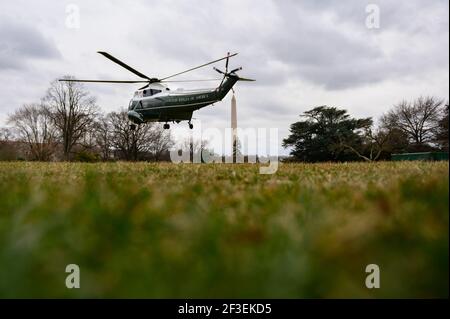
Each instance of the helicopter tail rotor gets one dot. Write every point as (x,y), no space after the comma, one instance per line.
(230,73)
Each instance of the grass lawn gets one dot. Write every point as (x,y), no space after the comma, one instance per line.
(217,230)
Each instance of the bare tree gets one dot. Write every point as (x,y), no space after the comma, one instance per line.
(373,144)
(237,150)
(418,119)
(161,141)
(378,141)
(72,110)
(6,134)
(35,128)
(442,135)
(197,148)
(102,136)
(143,142)
(8,146)
(88,141)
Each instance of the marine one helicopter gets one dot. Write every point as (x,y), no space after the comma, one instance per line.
(155,102)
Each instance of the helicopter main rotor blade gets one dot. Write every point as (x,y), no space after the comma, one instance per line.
(200,66)
(101,81)
(246,79)
(126,66)
(206,80)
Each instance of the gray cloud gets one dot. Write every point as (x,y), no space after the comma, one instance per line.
(326,43)
(329,44)
(302,53)
(20,42)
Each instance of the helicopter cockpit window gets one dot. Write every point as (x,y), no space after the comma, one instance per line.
(155,91)
(150,92)
(147,92)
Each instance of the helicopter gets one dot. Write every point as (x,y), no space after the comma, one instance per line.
(156,102)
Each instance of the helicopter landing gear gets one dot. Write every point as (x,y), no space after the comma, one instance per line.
(132,127)
(191,126)
(166,126)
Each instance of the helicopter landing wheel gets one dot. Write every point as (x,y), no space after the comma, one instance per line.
(166,126)
(132,127)
(191,126)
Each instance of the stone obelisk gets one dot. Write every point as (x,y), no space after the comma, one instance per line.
(233,128)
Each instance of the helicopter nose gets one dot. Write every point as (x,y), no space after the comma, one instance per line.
(135,117)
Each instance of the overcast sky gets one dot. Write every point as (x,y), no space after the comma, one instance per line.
(302,53)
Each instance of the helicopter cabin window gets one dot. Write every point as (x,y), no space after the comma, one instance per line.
(150,92)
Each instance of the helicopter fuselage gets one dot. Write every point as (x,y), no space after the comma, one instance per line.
(157,103)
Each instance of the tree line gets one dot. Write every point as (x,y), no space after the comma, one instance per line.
(68,125)
(331,134)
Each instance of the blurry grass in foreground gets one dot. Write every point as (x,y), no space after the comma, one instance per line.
(166,230)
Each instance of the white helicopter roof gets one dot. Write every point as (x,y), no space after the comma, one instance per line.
(156,86)
(160,88)
(150,90)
